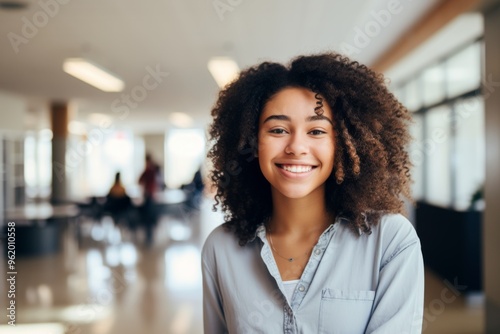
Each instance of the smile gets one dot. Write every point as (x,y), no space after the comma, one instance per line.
(296,168)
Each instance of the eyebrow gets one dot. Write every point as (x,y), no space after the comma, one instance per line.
(308,119)
(319,118)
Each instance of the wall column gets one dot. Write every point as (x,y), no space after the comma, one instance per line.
(59,116)
(491,232)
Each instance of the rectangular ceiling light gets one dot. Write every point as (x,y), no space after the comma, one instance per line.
(223,69)
(93,75)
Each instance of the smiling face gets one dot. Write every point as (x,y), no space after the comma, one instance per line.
(296,146)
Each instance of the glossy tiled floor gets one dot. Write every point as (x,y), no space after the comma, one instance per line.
(108,282)
(448,311)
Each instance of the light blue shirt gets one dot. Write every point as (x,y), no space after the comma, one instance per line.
(351,284)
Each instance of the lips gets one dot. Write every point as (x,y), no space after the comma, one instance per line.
(297,169)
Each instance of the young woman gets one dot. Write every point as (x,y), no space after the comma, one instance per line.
(310,168)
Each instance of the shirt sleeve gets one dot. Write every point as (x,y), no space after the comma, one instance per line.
(213,314)
(398,304)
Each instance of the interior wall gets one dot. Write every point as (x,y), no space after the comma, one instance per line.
(12,112)
(491,232)
(155,145)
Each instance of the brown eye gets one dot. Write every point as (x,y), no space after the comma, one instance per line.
(277,131)
(317,132)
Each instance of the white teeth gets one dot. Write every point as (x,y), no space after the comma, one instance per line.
(297,169)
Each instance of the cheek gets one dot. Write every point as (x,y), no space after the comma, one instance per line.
(261,154)
(265,147)
(329,155)
(260,143)
(266,153)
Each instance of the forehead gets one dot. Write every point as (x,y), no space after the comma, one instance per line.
(295,102)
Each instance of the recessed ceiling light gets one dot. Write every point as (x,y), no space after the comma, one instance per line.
(223,69)
(180,119)
(13,5)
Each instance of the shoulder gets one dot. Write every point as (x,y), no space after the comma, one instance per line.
(390,226)
(395,234)
(219,235)
(219,241)
(396,226)
(391,235)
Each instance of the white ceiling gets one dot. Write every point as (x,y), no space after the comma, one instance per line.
(179,37)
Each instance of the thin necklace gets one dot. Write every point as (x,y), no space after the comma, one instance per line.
(289,259)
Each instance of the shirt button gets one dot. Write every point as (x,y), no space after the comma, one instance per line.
(301,288)
(317,251)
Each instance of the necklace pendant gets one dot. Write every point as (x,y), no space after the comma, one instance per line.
(290,259)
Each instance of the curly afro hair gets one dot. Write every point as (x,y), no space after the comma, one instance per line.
(371,169)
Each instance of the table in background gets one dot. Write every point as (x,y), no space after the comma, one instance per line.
(40,227)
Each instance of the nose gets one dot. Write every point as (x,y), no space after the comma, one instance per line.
(297,145)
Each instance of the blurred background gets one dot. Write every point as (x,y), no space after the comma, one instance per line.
(107,241)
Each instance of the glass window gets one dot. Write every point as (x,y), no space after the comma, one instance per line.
(417,156)
(463,70)
(470,153)
(30,175)
(433,85)
(448,155)
(413,99)
(436,148)
(93,159)
(38,164)
(185,150)
(400,95)
(44,163)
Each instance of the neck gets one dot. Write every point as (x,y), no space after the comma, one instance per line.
(299,216)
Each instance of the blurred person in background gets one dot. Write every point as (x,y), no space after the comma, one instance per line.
(119,205)
(148,178)
(194,191)
(149,183)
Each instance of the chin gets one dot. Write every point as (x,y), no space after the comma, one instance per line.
(294,193)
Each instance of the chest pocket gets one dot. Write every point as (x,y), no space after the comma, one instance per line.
(345,311)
